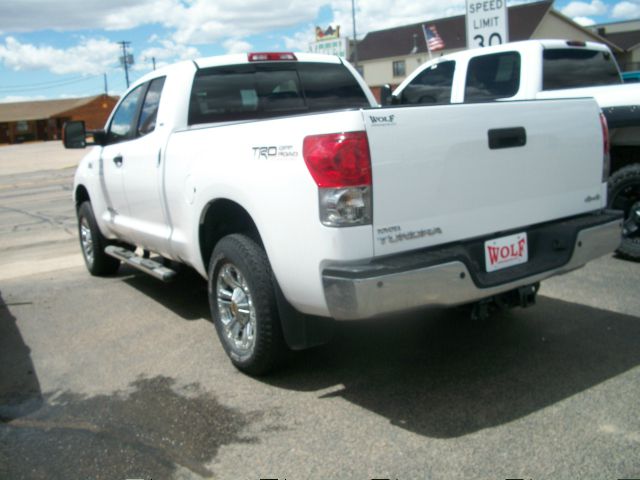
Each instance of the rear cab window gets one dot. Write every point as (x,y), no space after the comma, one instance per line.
(492,77)
(265,90)
(575,68)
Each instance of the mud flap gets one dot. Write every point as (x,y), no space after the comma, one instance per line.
(302,331)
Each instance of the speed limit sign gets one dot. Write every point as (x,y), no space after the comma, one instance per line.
(487,23)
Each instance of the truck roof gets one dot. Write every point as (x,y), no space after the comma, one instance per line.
(241,58)
(233,59)
(524,44)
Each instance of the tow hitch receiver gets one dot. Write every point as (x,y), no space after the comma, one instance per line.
(520,297)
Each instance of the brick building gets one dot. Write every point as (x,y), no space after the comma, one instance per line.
(43,119)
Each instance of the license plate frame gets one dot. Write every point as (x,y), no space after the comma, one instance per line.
(505,252)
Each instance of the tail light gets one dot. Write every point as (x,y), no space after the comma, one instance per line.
(340,165)
(271,57)
(606,156)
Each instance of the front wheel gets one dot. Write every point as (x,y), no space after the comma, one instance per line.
(624,194)
(243,305)
(93,243)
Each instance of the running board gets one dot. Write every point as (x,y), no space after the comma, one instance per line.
(145,265)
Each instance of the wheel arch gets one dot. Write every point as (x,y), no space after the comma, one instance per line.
(81,195)
(623,156)
(221,217)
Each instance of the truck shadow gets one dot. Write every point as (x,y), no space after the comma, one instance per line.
(186,296)
(438,373)
(444,376)
(19,386)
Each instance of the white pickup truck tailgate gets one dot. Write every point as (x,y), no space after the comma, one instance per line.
(437,180)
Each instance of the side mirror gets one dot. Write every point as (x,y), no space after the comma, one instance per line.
(385,95)
(74,135)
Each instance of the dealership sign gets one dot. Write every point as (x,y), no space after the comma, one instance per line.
(487,23)
(329,42)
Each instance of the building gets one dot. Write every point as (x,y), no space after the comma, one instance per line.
(388,56)
(43,119)
(626,35)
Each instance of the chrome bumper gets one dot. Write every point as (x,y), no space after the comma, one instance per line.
(359,291)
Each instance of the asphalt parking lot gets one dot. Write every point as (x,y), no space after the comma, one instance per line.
(123,377)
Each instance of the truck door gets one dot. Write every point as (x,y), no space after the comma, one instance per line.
(119,137)
(143,167)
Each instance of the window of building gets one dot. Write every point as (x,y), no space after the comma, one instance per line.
(431,86)
(494,76)
(22,126)
(399,68)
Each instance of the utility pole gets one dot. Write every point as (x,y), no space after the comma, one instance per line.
(106,89)
(153,59)
(125,59)
(355,36)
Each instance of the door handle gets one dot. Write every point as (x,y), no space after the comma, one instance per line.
(118,160)
(507,138)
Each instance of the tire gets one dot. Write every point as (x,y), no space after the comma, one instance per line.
(624,194)
(93,243)
(243,305)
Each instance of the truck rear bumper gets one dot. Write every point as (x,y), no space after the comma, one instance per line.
(454,274)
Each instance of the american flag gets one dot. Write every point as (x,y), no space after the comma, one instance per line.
(434,41)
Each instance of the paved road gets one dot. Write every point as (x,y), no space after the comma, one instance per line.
(123,377)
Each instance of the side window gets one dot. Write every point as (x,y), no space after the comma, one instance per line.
(431,86)
(149,112)
(122,122)
(491,77)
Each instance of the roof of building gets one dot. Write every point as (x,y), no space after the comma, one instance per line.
(41,109)
(625,40)
(399,41)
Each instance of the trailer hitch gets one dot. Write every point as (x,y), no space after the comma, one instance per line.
(523,297)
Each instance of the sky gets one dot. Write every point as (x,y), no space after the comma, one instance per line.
(64,49)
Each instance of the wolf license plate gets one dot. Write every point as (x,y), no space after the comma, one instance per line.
(506,252)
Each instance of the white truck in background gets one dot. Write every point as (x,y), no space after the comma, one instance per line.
(277,178)
(546,69)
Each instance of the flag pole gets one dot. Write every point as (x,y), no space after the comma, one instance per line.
(355,37)
(426,40)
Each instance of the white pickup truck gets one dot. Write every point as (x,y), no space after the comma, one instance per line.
(277,178)
(544,69)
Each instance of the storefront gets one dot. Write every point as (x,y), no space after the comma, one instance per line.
(43,120)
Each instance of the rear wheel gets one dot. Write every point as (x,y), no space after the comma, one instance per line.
(93,243)
(624,194)
(243,305)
